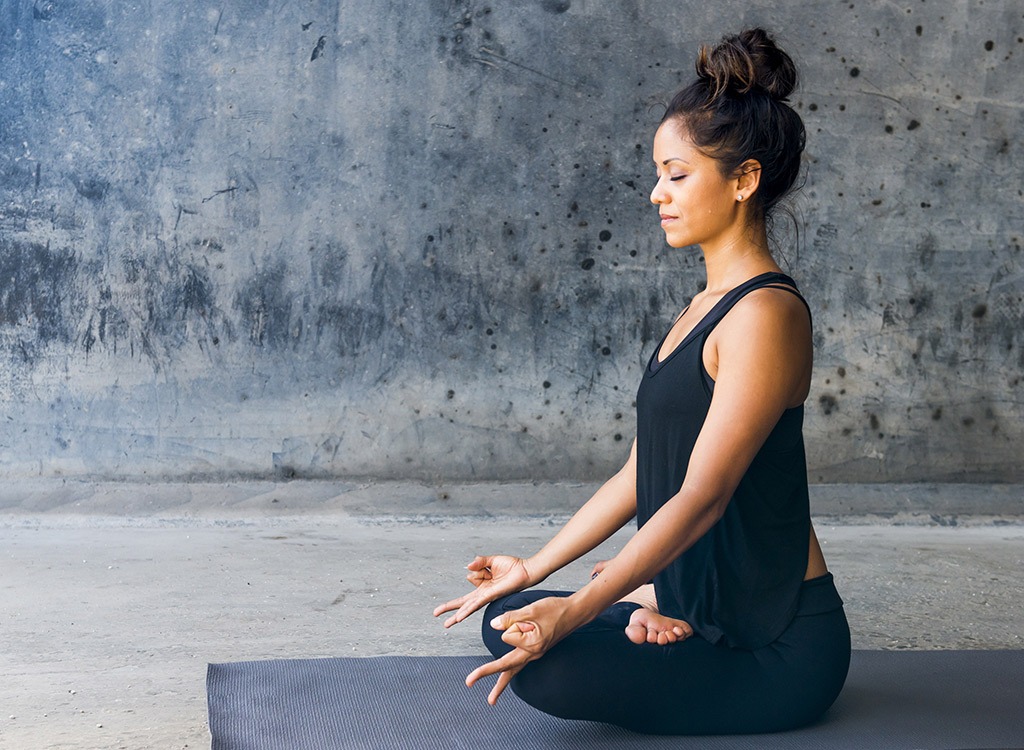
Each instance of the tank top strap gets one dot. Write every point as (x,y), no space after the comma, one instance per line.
(772,280)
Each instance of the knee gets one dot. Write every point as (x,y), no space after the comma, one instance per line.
(549,685)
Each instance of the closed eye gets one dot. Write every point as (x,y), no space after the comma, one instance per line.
(676,179)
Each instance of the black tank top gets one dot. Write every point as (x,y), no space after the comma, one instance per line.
(739,583)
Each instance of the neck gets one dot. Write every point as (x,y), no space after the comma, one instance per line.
(733,260)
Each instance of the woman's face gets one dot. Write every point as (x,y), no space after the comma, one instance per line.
(698,206)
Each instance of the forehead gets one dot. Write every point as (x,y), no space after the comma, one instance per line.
(670,142)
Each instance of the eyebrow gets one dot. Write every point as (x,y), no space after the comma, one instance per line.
(674,158)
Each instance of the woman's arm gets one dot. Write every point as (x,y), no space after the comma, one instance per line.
(602,515)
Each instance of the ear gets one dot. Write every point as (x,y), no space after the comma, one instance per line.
(748,178)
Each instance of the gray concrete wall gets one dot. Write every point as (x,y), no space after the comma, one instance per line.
(412,240)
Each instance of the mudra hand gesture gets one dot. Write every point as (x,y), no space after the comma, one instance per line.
(532,630)
(493,576)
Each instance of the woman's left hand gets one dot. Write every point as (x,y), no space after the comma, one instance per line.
(532,630)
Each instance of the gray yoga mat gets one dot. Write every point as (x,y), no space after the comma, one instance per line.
(892,700)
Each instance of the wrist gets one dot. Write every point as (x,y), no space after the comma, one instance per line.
(536,571)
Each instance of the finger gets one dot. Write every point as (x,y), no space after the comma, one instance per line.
(501,622)
(503,680)
(479,563)
(470,606)
(440,609)
(464,606)
(513,659)
(518,634)
(477,578)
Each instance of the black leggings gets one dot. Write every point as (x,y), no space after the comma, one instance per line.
(692,687)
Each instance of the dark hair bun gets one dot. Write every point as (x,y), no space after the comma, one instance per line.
(747,62)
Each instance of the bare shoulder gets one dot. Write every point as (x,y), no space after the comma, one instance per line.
(769,312)
(767,335)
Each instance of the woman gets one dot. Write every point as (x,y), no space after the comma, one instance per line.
(742,630)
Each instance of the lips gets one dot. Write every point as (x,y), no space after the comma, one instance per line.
(667,219)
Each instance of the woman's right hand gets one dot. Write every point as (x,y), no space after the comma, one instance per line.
(493,576)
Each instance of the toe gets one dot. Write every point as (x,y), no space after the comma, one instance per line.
(636,633)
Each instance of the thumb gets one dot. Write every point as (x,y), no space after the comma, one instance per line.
(505,622)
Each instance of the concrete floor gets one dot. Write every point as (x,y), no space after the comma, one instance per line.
(114,597)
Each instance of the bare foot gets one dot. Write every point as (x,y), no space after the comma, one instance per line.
(648,626)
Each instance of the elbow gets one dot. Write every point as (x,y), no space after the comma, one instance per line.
(711,505)
(716,509)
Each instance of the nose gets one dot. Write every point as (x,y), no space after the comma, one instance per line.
(658,193)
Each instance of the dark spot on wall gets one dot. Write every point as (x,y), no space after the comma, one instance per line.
(618,437)
(967,421)
(989,45)
(451,394)
(318,50)
(913,125)
(979,311)
(605,351)
(43,10)
(587,264)
(556,6)
(547,383)
(841,371)
(918,30)
(90,188)
(888,128)
(828,403)
(605,235)
(937,414)
(854,72)
(873,421)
